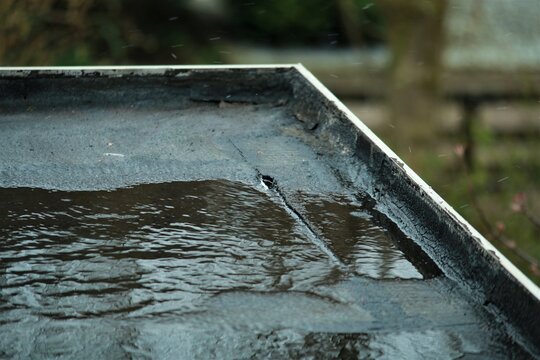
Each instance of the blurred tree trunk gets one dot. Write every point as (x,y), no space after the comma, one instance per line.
(348,10)
(415,34)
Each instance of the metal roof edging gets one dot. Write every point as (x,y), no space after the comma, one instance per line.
(436,198)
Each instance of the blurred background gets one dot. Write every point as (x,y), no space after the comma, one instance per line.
(453,86)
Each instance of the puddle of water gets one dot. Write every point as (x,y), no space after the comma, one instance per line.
(158,249)
(166,341)
(359,240)
(191,269)
(146,250)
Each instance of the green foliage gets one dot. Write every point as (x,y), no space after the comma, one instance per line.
(482,134)
(294,20)
(306,22)
(82,32)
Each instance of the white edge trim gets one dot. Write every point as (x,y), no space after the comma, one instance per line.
(142,70)
(437,199)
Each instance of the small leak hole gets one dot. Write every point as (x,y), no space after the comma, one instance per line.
(269,181)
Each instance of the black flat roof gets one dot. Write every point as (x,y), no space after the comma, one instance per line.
(277,130)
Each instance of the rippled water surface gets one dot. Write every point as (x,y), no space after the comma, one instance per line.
(354,236)
(76,266)
(146,250)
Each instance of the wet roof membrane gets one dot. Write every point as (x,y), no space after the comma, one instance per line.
(231,212)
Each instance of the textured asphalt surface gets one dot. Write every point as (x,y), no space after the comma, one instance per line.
(103,136)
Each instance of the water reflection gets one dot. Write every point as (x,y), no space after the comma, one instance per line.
(354,236)
(190,269)
(147,250)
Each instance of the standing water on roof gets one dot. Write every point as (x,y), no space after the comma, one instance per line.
(160,251)
(146,250)
(159,248)
(353,235)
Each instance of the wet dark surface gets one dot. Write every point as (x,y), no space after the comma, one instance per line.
(170,246)
(296,265)
(215,268)
(354,233)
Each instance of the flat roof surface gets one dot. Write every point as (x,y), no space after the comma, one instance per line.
(308,248)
